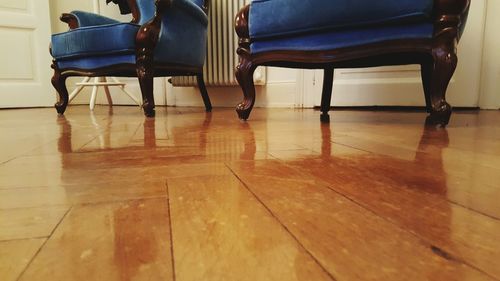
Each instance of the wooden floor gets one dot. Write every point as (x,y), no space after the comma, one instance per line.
(195,196)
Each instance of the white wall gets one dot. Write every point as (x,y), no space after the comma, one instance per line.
(490,88)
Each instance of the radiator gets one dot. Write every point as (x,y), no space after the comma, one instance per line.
(221,48)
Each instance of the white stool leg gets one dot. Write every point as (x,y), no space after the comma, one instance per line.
(94,94)
(78,89)
(137,101)
(106,90)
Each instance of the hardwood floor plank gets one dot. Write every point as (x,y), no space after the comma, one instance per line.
(92,192)
(373,195)
(221,232)
(119,241)
(344,236)
(81,172)
(441,171)
(15,255)
(30,223)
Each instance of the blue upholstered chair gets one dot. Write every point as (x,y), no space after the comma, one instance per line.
(165,38)
(329,34)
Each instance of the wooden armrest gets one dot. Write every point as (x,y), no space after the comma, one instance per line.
(206,6)
(70,19)
(136,14)
(127,7)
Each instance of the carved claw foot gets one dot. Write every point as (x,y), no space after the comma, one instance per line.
(325,118)
(243,111)
(440,115)
(61,107)
(149,111)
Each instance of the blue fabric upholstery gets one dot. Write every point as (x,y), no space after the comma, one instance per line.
(97,61)
(198,2)
(346,38)
(182,38)
(271,18)
(91,19)
(95,40)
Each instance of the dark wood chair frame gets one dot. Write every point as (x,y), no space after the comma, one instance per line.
(437,57)
(145,68)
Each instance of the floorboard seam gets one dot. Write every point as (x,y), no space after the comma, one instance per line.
(24,238)
(171,231)
(282,225)
(421,239)
(430,245)
(43,245)
(447,200)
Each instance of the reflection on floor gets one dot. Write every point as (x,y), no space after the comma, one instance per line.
(196,196)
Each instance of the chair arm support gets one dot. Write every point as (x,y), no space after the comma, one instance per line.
(206,6)
(148,35)
(242,30)
(450,17)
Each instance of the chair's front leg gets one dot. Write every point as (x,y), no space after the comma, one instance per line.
(59,83)
(244,75)
(449,19)
(145,43)
(145,74)
(445,63)
(326,97)
(245,68)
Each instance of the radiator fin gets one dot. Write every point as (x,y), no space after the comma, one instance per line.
(221,46)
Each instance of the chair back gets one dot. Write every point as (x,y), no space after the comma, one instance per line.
(147,8)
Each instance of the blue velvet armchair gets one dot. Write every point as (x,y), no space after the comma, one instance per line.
(165,38)
(329,34)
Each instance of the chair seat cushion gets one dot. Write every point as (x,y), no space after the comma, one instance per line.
(96,62)
(95,41)
(273,18)
(331,40)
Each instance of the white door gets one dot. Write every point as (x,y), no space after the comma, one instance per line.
(402,85)
(24,54)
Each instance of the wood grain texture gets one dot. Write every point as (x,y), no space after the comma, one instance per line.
(342,234)
(370,196)
(221,232)
(120,241)
(16,255)
(25,223)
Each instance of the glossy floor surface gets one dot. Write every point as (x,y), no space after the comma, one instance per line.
(195,196)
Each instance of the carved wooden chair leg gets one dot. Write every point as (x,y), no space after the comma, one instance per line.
(59,83)
(203,92)
(145,76)
(426,69)
(326,98)
(445,63)
(244,75)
